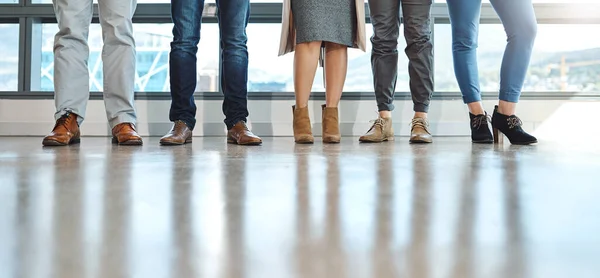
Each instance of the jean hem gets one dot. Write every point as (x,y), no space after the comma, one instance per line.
(471,99)
(510,98)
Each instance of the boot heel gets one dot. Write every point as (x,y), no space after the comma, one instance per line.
(498,136)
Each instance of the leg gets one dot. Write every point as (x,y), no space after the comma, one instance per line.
(233,19)
(336,66)
(186,16)
(519,21)
(71,52)
(384,55)
(118,57)
(419,50)
(306,60)
(464,18)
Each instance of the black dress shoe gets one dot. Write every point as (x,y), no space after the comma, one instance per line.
(511,127)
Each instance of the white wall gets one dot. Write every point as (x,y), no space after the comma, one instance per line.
(549,119)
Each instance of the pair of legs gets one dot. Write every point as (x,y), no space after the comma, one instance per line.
(306,60)
(233,18)
(385,16)
(520,24)
(71,76)
(71,52)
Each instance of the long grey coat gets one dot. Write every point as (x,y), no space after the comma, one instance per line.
(288,30)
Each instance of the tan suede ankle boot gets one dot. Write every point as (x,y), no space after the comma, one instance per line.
(331,125)
(302,127)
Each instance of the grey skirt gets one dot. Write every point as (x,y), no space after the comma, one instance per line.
(325,20)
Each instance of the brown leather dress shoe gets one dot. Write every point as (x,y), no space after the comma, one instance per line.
(65,131)
(125,134)
(180,134)
(241,135)
(419,133)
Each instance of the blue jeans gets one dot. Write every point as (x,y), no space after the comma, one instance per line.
(520,24)
(233,18)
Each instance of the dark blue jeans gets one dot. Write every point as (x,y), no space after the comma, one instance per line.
(233,19)
(518,18)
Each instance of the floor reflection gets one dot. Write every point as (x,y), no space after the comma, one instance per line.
(516,257)
(384,254)
(234,193)
(303,248)
(115,254)
(210,209)
(335,253)
(182,220)
(418,257)
(68,214)
(464,239)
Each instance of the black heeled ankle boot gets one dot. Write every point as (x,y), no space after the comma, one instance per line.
(480,131)
(511,127)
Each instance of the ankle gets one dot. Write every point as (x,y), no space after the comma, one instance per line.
(385,114)
(476,108)
(301,105)
(507,108)
(421,115)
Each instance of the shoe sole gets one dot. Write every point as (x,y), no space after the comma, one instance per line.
(175,144)
(420,142)
(374,141)
(53,143)
(245,144)
(128,143)
(525,143)
(483,142)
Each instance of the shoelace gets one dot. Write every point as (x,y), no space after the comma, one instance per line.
(419,123)
(379,122)
(245,126)
(478,121)
(513,122)
(64,120)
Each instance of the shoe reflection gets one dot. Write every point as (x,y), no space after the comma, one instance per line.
(419,259)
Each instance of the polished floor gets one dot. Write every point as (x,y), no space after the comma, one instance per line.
(208,209)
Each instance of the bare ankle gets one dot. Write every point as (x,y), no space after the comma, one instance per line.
(422,115)
(385,114)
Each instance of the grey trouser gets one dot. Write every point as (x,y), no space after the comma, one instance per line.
(71,52)
(385,16)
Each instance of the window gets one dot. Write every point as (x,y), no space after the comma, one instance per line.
(152,46)
(563,60)
(9,60)
(568,64)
